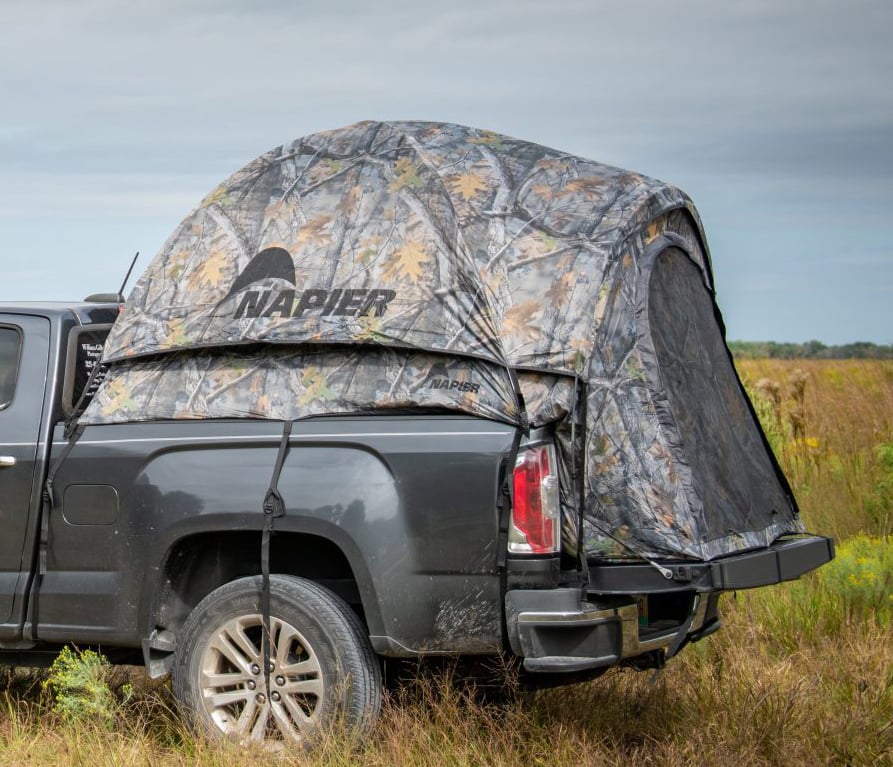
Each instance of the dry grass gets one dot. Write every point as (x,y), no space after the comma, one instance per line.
(739,698)
(801,674)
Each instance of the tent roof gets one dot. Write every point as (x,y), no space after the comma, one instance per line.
(426,236)
(422,265)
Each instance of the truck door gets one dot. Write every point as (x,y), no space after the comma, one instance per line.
(24,358)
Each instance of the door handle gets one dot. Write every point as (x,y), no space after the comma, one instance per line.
(7,460)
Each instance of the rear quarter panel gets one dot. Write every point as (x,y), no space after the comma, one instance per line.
(409,500)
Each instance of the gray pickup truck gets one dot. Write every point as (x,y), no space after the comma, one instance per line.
(398,540)
(391,391)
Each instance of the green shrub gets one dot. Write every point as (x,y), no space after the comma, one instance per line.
(79,681)
(861,576)
(856,586)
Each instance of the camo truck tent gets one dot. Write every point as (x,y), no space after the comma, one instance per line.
(405,265)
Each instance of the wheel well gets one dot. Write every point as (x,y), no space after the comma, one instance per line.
(199,564)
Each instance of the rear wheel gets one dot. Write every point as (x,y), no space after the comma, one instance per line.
(322,668)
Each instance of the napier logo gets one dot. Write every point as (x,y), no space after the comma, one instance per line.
(276,263)
(438,378)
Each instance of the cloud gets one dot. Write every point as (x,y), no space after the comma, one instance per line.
(775,117)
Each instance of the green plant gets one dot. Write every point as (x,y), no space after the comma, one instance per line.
(861,576)
(853,589)
(79,680)
(880,504)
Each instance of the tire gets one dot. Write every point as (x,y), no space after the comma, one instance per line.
(324,671)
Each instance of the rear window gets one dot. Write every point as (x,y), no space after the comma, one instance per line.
(10,351)
(84,352)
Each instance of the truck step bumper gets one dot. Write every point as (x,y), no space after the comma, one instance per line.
(785,560)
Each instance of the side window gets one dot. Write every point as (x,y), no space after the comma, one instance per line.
(10,349)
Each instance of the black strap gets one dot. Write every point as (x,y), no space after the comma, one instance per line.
(681,635)
(71,424)
(274,507)
(675,646)
(48,504)
(578,469)
(73,431)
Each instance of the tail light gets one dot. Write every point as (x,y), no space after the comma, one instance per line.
(535,527)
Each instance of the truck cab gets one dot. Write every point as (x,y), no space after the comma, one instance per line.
(40,362)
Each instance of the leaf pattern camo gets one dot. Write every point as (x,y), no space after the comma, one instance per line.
(401,265)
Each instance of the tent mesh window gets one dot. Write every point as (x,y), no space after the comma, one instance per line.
(731,468)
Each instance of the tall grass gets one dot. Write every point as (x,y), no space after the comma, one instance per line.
(756,693)
(800,674)
(830,423)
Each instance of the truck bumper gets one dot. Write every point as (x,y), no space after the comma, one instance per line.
(785,560)
(563,630)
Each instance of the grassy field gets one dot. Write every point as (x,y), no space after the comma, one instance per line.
(801,674)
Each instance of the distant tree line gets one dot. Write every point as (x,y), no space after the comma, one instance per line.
(814,350)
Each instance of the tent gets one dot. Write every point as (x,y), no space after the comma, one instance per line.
(397,266)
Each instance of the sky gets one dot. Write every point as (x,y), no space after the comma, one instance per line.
(116,118)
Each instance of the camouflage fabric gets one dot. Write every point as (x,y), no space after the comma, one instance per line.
(635,459)
(283,384)
(373,260)
(424,236)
